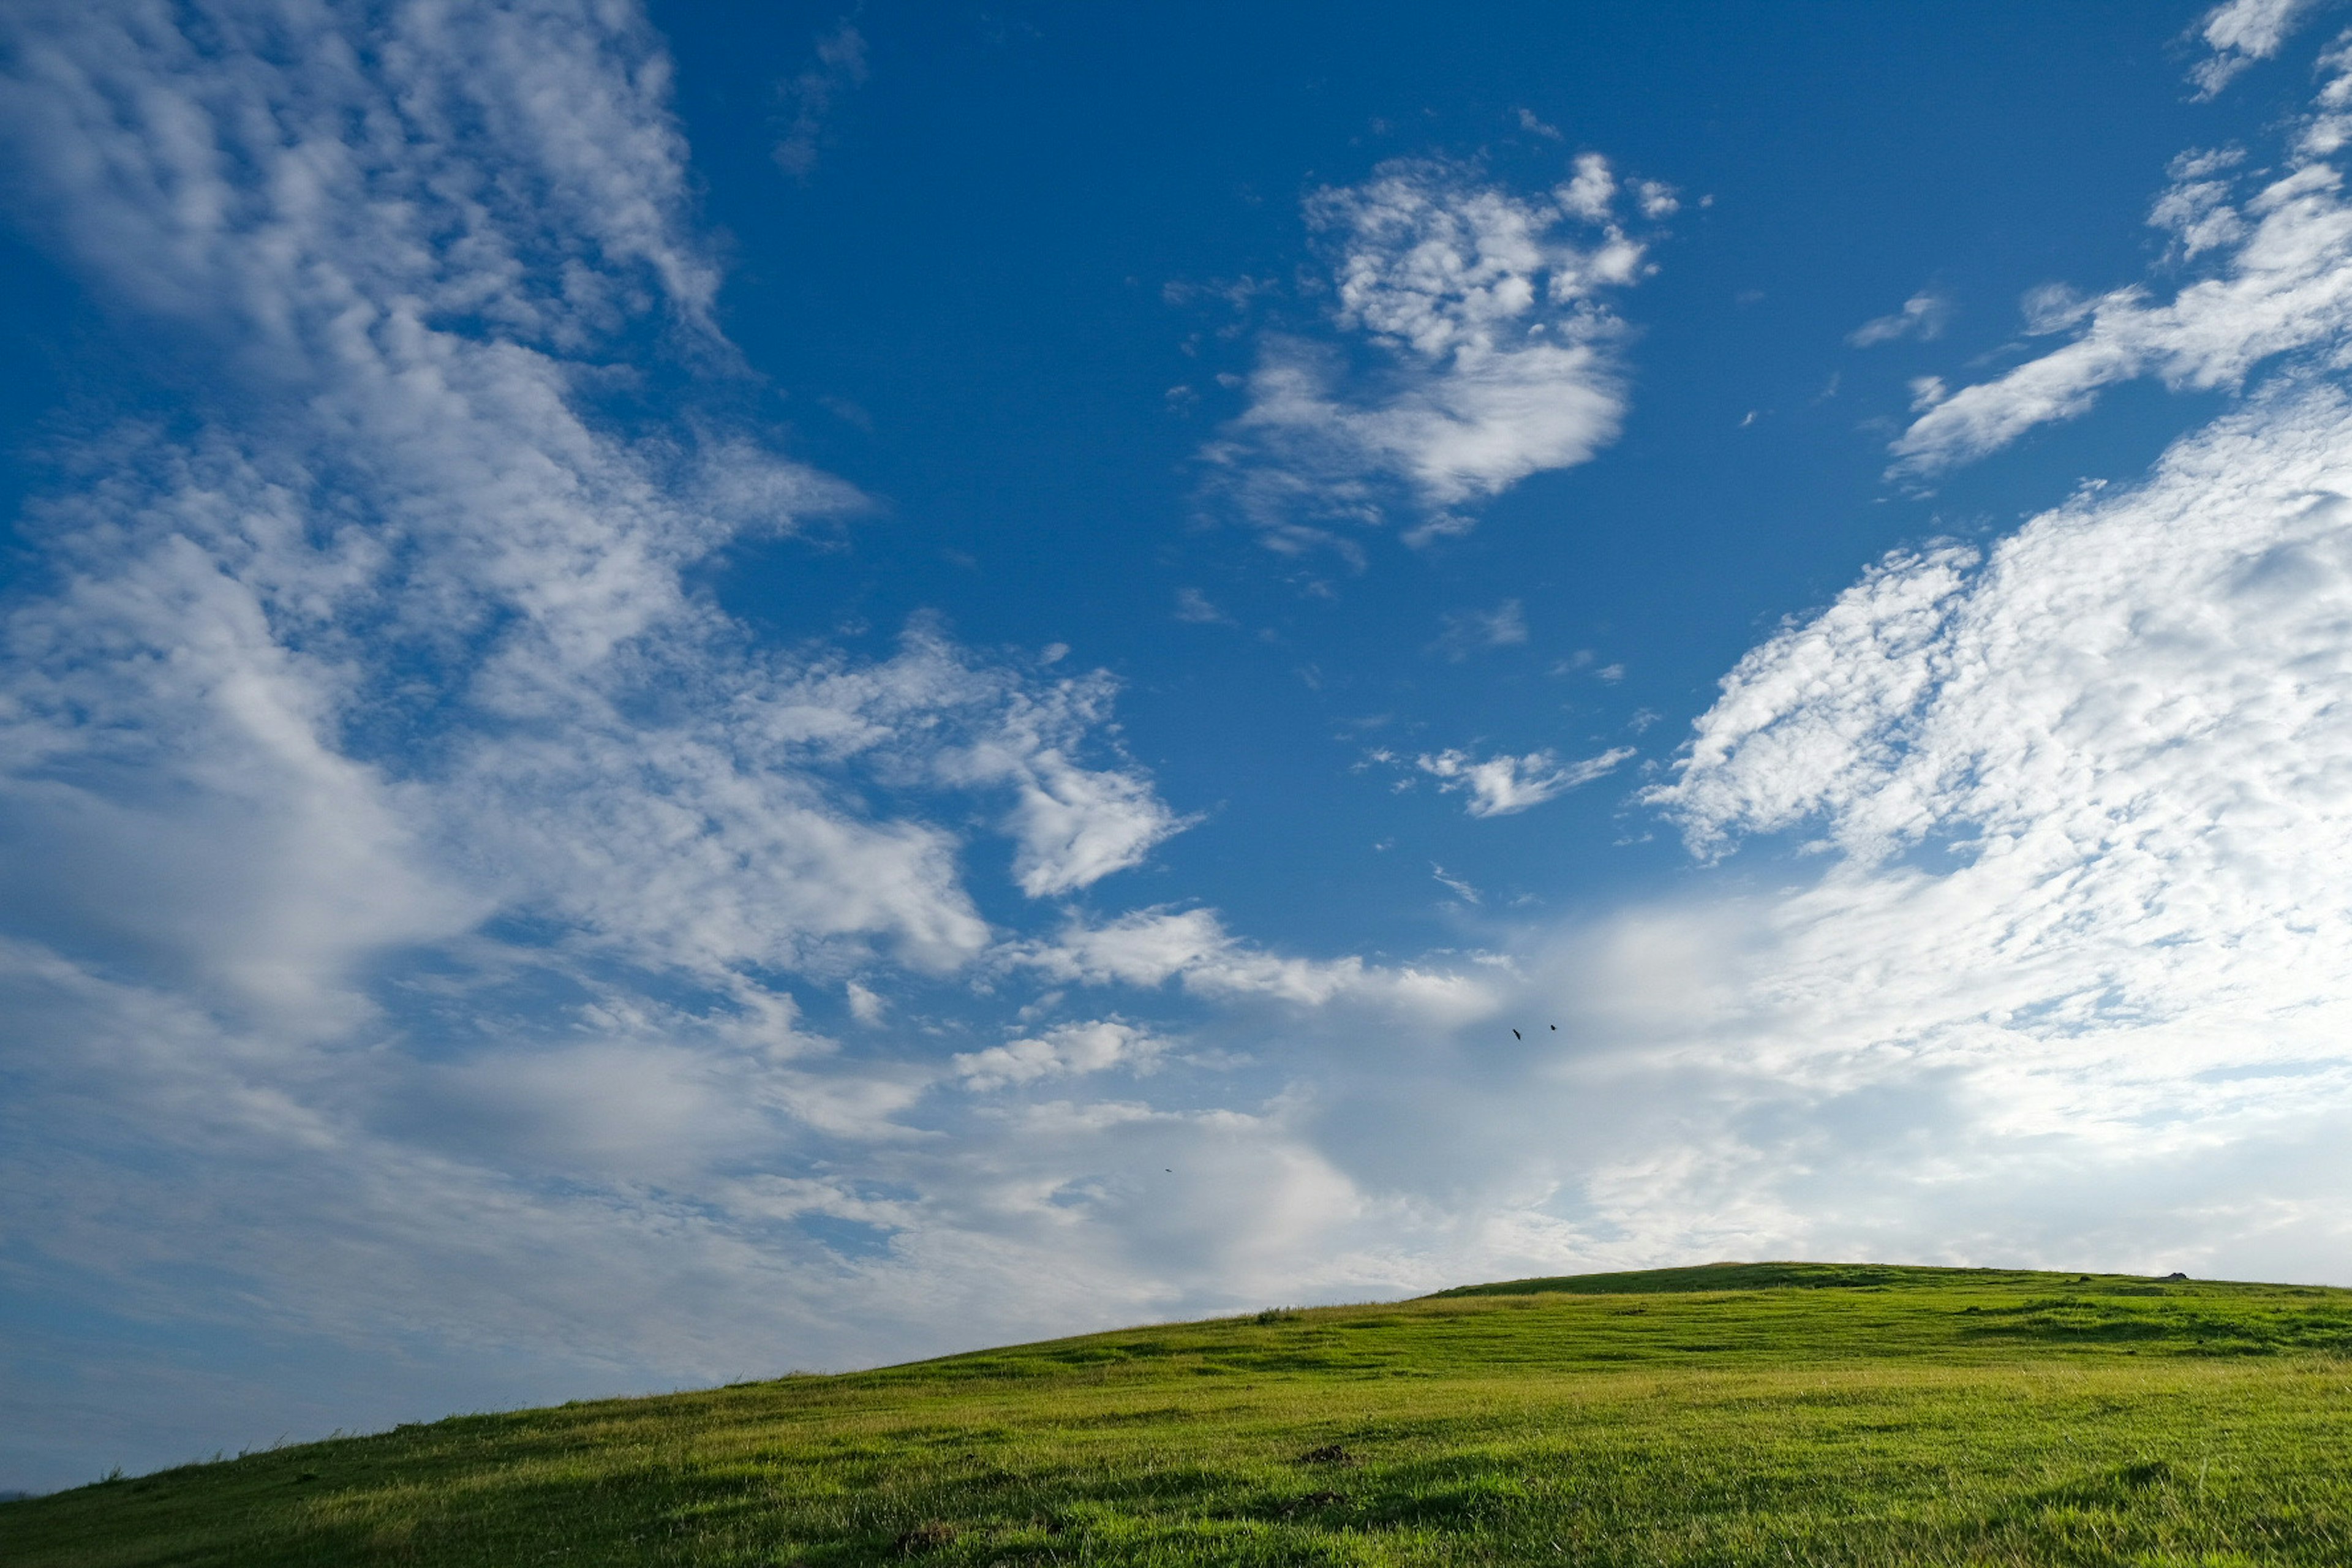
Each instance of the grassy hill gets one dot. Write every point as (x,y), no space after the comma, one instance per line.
(1765,1413)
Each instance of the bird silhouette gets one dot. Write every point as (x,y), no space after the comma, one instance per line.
(1517,1035)
(1555,1026)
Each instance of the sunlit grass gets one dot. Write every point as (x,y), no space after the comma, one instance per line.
(1811,1415)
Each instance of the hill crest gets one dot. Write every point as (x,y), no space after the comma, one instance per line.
(1785,1276)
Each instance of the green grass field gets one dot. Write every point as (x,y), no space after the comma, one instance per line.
(1750,1414)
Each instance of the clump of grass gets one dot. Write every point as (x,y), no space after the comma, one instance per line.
(1744,1415)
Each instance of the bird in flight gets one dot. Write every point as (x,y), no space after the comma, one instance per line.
(1517,1035)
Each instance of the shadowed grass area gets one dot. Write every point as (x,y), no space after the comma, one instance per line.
(1733,1414)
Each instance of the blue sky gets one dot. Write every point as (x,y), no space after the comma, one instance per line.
(694,692)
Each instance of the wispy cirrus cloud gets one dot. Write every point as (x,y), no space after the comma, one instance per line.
(1489,350)
(2277,263)
(1152,948)
(1923,316)
(1466,632)
(840,68)
(1503,784)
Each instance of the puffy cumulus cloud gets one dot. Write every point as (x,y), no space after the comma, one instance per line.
(2278,265)
(2238,33)
(1490,351)
(1499,785)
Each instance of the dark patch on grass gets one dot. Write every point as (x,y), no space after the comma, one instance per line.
(1730,1276)
(2185,1327)
(2117,1487)
(926,1537)
(1132,1417)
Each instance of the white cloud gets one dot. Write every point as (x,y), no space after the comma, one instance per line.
(424,511)
(1530,122)
(1656,199)
(2280,280)
(1590,192)
(2195,208)
(1193,607)
(1923,316)
(1065,1051)
(2052,307)
(144,164)
(1809,705)
(1072,826)
(1466,632)
(865,1005)
(2240,32)
(2124,733)
(1500,786)
(1497,352)
(1149,947)
(531,1214)
(840,67)
(1459,887)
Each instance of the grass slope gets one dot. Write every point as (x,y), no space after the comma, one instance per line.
(1743,1414)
